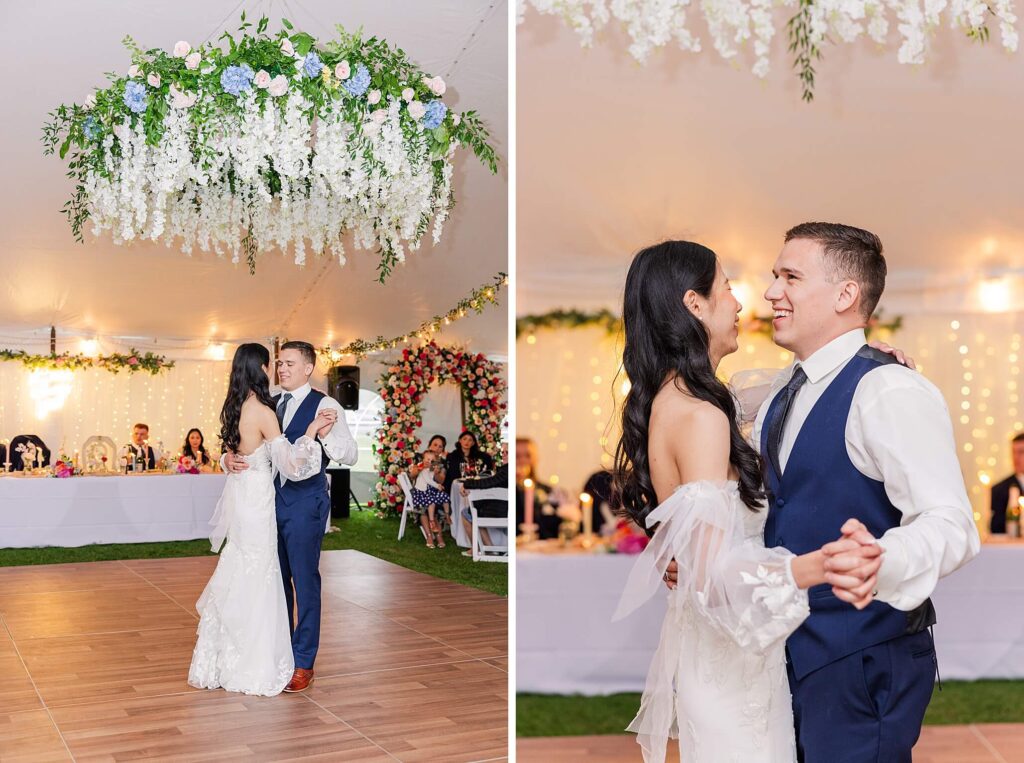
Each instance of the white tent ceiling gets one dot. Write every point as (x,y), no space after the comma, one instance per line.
(613,156)
(147,290)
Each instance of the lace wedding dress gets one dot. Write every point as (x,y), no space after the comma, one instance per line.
(244,643)
(718,678)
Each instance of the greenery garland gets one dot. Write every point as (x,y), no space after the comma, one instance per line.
(477,300)
(612,324)
(259,141)
(402,388)
(133,362)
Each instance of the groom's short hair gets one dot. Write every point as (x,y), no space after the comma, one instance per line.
(305,349)
(850,254)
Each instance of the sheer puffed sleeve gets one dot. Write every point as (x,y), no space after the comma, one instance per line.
(297,461)
(750,389)
(734,583)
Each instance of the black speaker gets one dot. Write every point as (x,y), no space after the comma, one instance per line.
(343,385)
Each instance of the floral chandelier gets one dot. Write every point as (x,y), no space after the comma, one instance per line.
(267,142)
(652,24)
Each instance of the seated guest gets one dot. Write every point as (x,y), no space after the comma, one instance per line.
(427,493)
(1001,493)
(138,449)
(599,487)
(545,499)
(196,450)
(439,444)
(469,453)
(486,507)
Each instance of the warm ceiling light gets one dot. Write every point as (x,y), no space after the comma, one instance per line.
(994,295)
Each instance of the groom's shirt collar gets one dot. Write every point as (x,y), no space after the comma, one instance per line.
(832,356)
(298,395)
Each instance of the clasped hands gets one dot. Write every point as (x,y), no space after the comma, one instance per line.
(319,427)
(849,564)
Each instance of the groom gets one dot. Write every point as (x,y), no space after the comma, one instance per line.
(849,432)
(303,507)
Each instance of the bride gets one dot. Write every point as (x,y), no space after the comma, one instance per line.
(244,643)
(718,679)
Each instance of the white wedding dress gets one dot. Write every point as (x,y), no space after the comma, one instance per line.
(718,678)
(244,643)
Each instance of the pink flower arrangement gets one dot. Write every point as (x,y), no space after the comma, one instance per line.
(63,470)
(187,465)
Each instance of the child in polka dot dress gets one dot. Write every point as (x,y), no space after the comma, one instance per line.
(427,493)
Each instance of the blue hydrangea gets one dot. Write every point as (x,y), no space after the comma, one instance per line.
(312,64)
(236,79)
(135,97)
(434,115)
(359,82)
(91,128)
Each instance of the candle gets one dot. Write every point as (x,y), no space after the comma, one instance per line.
(39,457)
(586,506)
(528,502)
(75,462)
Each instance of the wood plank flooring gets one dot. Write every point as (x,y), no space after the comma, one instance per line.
(94,659)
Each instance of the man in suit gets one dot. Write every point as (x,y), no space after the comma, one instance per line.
(139,449)
(303,506)
(1001,492)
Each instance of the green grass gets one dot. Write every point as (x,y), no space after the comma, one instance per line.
(362,532)
(959,702)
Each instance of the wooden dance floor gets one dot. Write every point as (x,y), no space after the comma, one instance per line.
(94,659)
(982,743)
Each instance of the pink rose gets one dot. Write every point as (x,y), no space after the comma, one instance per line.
(181,49)
(133,361)
(373,98)
(278,86)
(342,70)
(153,79)
(192,60)
(408,94)
(286,47)
(417,110)
(134,71)
(262,79)
(436,85)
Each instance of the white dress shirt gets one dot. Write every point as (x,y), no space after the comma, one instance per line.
(899,433)
(339,442)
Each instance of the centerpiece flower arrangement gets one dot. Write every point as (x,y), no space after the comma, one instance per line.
(263,141)
(187,465)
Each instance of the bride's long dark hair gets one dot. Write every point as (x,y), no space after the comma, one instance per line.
(247,375)
(664,339)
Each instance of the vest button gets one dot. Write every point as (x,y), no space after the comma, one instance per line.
(779,503)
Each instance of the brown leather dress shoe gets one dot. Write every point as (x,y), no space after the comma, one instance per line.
(301,679)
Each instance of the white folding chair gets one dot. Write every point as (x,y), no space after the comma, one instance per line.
(480,548)
(408,507)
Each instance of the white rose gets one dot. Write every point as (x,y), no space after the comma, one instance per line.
(456,119)
(90,100)
(286,47)
(373,98)
(342,70)
(181,49)
(182,100)
(417,110)
(262,79)
(192,60)
(379,116)
(278,86)
(408,94)
(153,79)
(133,70)
(436,85)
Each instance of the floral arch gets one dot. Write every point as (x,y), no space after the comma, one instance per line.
(403,387)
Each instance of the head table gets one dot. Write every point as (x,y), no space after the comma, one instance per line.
(77,511)
(567,644)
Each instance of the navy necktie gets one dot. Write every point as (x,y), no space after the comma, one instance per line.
(282,407)
(781,414)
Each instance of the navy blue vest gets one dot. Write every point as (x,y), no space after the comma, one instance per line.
(819,490)
(292,492)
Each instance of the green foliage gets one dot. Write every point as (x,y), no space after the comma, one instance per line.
(570,319)
(804,51)
(133,362)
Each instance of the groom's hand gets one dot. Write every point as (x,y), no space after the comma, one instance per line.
(852,564)
(233,463)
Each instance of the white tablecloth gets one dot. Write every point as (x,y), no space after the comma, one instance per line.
(81,510)
(498,537)
(567,644)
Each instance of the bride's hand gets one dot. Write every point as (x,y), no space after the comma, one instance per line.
(852,564)
(888,349)
(323,423)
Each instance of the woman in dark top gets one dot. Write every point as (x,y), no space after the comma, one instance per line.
(467,452)
(195,449)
